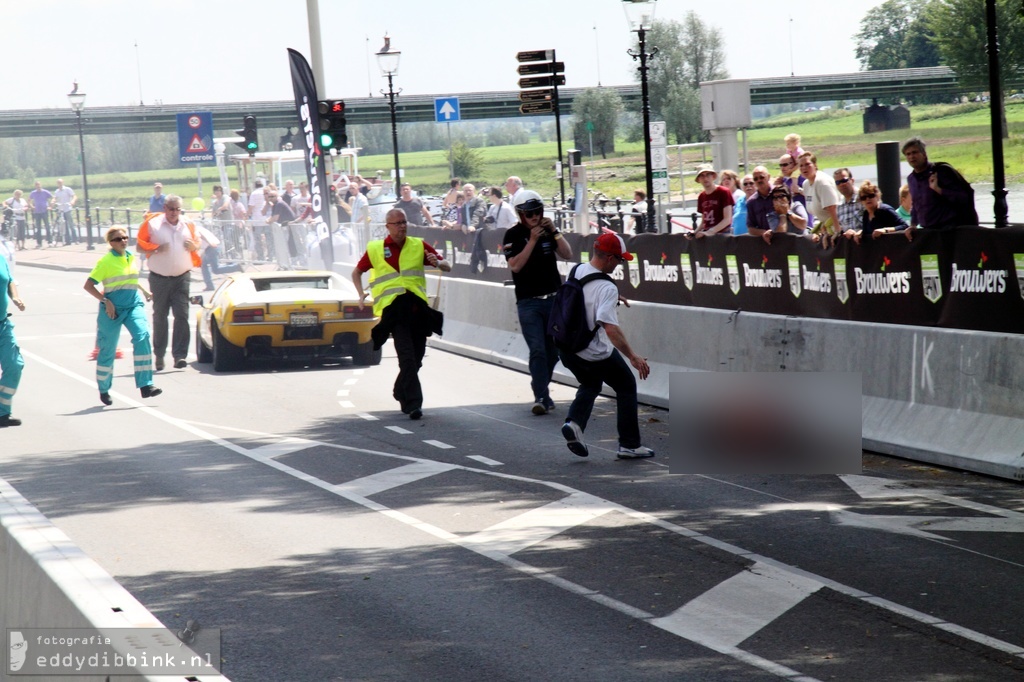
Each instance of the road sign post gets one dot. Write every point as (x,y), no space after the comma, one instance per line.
(542,76)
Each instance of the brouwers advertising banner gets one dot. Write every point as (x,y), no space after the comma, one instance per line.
(968,278)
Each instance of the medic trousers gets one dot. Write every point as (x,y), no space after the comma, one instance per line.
(108,331)
(11,363)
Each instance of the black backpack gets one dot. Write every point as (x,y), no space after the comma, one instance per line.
(568,322)
(965,215)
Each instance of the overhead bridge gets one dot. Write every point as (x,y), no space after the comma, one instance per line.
(886,85)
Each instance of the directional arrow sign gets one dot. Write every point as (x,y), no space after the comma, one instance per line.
(541,81)
(536,96)
(537,69)
(536,108)
(535,56)
(446,109)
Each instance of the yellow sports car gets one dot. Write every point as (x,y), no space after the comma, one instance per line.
(304,315)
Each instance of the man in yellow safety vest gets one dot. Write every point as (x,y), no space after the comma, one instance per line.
(399,290)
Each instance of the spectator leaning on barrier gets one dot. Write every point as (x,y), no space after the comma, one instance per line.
(941,197)
(601,362)
(474,210)
(399,289)
(171,246)
(795,185)
(849,209)
(822,200)
(714,204)
(759,206)
(877,218)
(787,216)
(532,248)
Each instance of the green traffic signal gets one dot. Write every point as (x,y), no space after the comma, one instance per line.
(326,140)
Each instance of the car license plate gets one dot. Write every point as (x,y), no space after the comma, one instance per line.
(304,319)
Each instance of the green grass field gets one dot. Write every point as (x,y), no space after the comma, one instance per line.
(957,134)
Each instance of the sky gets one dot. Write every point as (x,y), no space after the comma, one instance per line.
(123,52)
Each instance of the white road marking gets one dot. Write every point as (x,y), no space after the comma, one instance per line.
(736,609)
(541,574)
(350,382)
(386,480)
(486,460)
(22,339)
(398,429)
(367,416)
(284,447)
(343,393)
(527,529)
(438,444)
(347,404)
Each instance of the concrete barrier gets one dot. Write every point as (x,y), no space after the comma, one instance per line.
(948,397)
(46,581)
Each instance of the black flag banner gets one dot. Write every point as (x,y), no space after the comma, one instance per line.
(309,130)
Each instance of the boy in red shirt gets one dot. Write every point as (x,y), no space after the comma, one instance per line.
(714,205)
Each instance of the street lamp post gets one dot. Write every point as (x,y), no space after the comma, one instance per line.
(640,14)
(387,60)
(77,100)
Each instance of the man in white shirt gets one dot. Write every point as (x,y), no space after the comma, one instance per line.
(171,245)
(601,362)
(513,186)
(64,197)
(260,234)
(822,199)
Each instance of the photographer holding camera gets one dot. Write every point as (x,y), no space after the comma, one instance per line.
(532,248)
(499,215)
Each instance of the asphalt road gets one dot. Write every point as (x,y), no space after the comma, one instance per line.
(331,538)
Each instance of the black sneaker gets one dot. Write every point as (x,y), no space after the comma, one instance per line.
(416,414)
(8,420)
(105,399)
(180,363)
(150,391)
(574,439)
(159,364)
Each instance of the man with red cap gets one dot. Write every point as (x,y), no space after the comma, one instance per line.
(601,362)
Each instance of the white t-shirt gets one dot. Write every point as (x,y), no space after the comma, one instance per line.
(504,216)
(821,194)
(256,201)
(360,207)
(63,196)
(602,299)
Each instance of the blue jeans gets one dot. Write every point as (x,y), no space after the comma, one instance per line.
(533,319)
(70,236)
(211,265)
(613,371)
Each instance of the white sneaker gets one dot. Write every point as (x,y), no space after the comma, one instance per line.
(573,435)
(640,452)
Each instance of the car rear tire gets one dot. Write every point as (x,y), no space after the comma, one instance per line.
(203,354)
(366,355)
(227,357)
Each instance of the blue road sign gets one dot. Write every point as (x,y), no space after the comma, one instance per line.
(195,137)
(446,109)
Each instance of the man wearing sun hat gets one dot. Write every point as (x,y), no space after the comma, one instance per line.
(601,362)
(714,204)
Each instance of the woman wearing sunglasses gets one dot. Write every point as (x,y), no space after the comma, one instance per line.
(878,218)
(121,303)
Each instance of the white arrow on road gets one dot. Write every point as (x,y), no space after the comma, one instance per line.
(872,488)
(447,110)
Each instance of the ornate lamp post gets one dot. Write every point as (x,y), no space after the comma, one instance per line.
(387,61)
(640,14)
(77,100)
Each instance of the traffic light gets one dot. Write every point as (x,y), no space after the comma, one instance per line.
(248,134)
(332,124)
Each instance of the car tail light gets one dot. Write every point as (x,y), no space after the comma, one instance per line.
(243,315)
(353,312)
